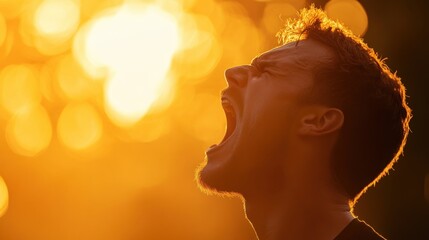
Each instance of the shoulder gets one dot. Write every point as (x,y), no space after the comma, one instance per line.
(358,229)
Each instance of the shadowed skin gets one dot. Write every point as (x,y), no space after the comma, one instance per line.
(277,155)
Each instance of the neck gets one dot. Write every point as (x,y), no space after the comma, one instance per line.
(300,212)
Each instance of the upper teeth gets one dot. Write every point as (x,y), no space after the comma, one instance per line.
(227,105)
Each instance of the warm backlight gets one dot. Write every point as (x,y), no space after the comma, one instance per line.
(71,82)
(3,29)
(351,13)
(4,197)
(275,15)
(133,46)
(50,25)
(57,17)
(30,131)
(19,88)
(79,126)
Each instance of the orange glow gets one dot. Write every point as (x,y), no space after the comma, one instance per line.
(275,15)
(350,12)
(48,81)
(294,3)
(204,109)
(57,18)
(6,38)
(72,82)
(3,29)
(11,8)
(49,25)
(135,60)
(199,45)
(79,126)
(19,88)
(237,48)
(4,197)
(29,132)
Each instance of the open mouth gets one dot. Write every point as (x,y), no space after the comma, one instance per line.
(231,119)
(231,122)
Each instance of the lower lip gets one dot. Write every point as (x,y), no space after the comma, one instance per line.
(216,147)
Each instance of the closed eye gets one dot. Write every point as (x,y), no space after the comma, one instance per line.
(260,66)
(256,67)
(256,71)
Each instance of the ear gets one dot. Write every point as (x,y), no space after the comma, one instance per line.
(321,121)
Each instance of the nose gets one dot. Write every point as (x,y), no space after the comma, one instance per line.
(237,76)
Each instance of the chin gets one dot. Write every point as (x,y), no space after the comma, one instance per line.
(216,180)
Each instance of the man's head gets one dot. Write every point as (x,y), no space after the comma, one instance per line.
(321,103)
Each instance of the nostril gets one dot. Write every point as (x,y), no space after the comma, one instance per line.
(237,76)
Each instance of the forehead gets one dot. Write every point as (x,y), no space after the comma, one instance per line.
(304,54)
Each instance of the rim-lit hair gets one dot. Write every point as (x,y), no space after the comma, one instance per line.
(371,97)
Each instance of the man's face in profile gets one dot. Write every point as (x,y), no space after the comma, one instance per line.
(262,103)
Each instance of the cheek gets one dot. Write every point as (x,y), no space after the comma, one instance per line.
(271,129)
(268,115)
(271,113)
(265,130)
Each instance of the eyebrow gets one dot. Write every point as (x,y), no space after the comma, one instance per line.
(258,63)
(255,61)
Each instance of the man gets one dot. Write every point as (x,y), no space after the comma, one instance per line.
(310,125)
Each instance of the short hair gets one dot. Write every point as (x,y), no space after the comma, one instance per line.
(372,98)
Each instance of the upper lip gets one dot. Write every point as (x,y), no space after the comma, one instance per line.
(227,96)
(229,105)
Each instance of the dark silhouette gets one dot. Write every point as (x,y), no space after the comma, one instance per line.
(311,125)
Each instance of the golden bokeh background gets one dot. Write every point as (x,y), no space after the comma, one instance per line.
(107,107)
